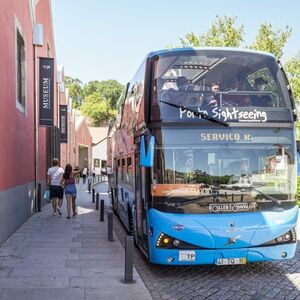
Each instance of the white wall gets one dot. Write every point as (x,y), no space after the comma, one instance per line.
(99,151)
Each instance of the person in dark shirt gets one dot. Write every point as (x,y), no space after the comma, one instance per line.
(261,100)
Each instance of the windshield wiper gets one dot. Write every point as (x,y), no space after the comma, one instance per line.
(274,200)
(188,201)
(197,113)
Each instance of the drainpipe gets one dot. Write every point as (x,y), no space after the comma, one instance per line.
(37,42)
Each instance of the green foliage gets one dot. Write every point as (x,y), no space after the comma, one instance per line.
(98,109)
(292,67)
(223,33)
(90,88)
(75,90)
(271,40)
(96,99)
(111,90)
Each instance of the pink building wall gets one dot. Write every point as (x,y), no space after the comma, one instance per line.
(17,160)
(16,128)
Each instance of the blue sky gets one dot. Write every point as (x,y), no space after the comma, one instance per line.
(108,39)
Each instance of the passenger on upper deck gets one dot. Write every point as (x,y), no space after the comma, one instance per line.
(212,100)
(183,84)
(239,98)
(261,100)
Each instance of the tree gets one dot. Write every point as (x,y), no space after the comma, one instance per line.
(109,89)
(292,67)
(75,90)
(98,109)
(90,88)
(223,33)
(271,40)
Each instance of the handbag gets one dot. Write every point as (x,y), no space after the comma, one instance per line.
(47,195)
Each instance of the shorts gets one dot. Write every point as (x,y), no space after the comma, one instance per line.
(70,189)
(56,191)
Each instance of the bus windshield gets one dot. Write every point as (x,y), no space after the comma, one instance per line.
(223,169)
(210,81)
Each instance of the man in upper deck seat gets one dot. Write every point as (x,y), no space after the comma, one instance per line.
(238,99)
(261,100)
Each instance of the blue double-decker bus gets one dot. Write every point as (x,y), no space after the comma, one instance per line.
(202,158)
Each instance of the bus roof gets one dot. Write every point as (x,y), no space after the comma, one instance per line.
(229,49)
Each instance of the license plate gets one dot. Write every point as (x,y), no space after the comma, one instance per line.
(230,261)
(187,255)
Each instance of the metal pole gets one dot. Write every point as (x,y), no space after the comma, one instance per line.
(128,278)
(36,129)
(97,201)
(102,211)
(93,195)
(110,224)
(39,198)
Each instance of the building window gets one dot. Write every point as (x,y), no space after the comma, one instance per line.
(20,72)
(96,163)
(123,169)
(129,170)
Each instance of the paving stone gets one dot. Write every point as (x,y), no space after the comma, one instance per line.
(43,294)
(34,282)
(5,271)
(53,271)
(124,292)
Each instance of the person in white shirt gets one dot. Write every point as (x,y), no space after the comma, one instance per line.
(84,174)
(54,176)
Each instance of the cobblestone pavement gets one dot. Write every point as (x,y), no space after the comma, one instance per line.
(272,280)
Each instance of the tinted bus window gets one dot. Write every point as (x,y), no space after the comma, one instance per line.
(205,80)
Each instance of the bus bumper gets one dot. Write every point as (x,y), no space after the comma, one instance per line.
(222,256)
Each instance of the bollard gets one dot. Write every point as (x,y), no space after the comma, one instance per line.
(98,177)
(89,187)
(97,201)
(39,197)
(128,278)
(102,211)
(93,195)
(110,224)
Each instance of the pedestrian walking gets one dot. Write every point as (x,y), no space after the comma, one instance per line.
(94,175)
(68,180)
(77,176)
(84,174)
(54,176)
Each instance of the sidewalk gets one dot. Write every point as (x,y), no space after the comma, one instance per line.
(50,257)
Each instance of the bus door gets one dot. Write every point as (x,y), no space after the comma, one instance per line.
(141,205)
(116,186)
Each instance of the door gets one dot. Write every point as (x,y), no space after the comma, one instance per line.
(141,205)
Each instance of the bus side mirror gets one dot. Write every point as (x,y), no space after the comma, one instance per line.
(147,153)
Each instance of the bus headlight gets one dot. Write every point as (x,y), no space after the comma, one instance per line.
(165,241)
(286,238)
